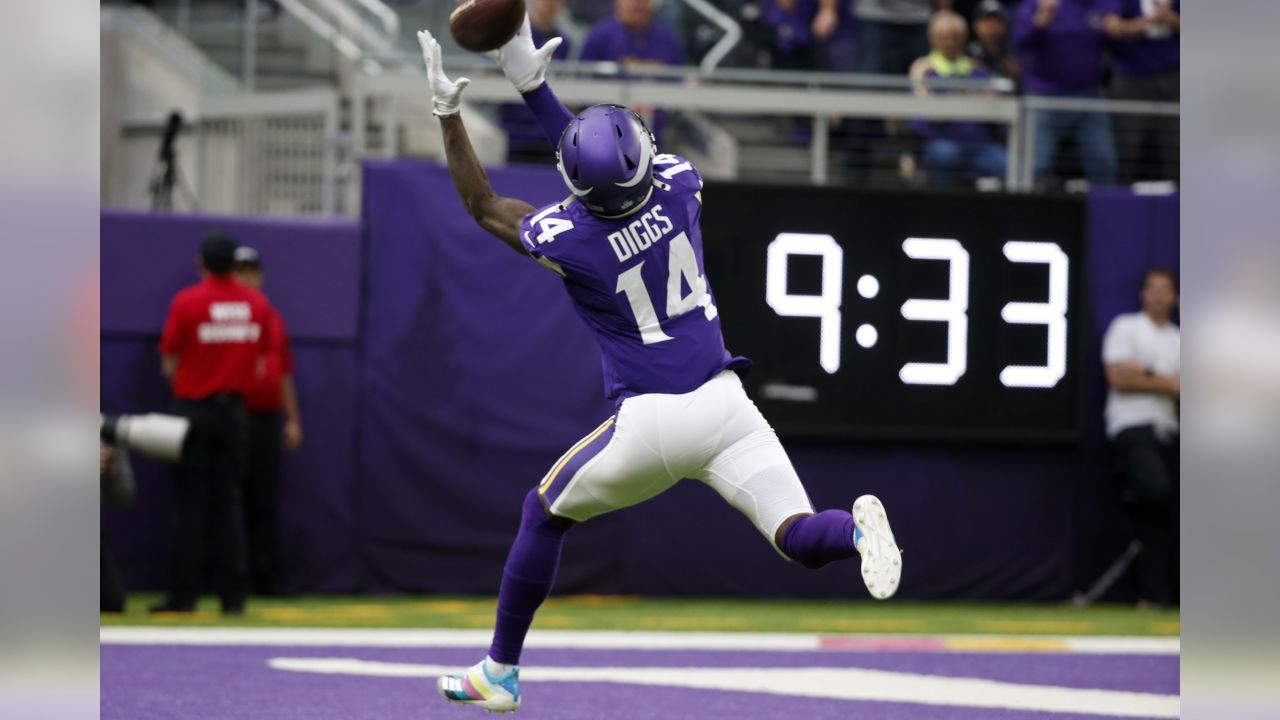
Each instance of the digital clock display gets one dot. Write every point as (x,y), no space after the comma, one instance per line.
(916,315)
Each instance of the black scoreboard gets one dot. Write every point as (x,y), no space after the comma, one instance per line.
(911,315)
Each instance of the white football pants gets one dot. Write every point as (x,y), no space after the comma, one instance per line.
(714,434)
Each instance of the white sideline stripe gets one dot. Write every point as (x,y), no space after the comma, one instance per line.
(835,683)
(1124,645)
(585,639)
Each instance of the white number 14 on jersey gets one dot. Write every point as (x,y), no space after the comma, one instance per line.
(682,270)
(551,227)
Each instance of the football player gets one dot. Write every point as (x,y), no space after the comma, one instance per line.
(627,244)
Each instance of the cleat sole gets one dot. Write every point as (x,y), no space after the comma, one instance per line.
(881,558)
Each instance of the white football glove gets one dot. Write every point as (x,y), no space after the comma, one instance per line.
(446,94)
(525,66)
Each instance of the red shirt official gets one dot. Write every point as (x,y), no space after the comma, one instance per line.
(217,329)
(265,393)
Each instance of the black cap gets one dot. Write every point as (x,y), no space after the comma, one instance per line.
(990,7)
(247,257)
(218,250)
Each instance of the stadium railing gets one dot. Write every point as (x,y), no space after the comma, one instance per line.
(1158,174)
(741,94)
(762,125)
(259,153)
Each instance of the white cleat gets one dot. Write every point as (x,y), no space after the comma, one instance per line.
(881,558)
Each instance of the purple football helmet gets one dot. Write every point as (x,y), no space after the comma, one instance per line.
(606,158)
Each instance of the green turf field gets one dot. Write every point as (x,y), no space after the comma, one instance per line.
(600,612)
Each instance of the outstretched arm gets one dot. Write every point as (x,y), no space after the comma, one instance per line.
(501,216)
(526,67)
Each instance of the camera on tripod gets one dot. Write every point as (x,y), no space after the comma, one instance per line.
(166,176)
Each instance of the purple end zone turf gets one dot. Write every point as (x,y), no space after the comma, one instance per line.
(189,682)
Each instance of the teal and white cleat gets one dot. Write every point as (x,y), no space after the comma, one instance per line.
(881,558)
(478,687)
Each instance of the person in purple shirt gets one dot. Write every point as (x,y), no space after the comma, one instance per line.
(1146,59)
(631,37)
(953,151)
(1059,45)
(799,26)
(627,244)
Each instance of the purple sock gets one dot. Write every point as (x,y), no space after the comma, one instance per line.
(815,540)
(527,578)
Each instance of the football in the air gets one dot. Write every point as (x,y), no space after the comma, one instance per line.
(483,25)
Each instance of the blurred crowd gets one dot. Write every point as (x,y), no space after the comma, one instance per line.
(1075,49)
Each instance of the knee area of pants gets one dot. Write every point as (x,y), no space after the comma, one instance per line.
(537,516)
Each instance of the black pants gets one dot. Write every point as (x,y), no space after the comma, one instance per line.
(1150,468)
(261,487)
(111,593)
(1133,131)
(207,493)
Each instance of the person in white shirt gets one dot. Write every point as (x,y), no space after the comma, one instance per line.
(1141,353)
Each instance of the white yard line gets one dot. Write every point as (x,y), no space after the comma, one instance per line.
(834,683)
(621,640)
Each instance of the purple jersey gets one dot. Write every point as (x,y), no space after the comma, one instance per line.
(611,40)
(639,284)
(1155,52)
(1064,58)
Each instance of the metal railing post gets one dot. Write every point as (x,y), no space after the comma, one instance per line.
(1028,147)
(328,198)
(391,125)
(818,149)
(359,137)
(249,51)
(1013,148)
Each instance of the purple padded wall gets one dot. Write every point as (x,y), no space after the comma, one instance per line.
(313,275)
(438,397)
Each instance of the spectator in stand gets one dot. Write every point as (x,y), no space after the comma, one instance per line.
(990,44)
(1146,58)
(270,393)
(543,15)
(214,337)
(1141,352)
(526,141)
(893,33)
(799,27)
(953,151)
(631,38)
(591,12)
(1059,45)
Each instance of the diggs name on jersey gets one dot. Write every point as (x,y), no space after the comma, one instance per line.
(641,234)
